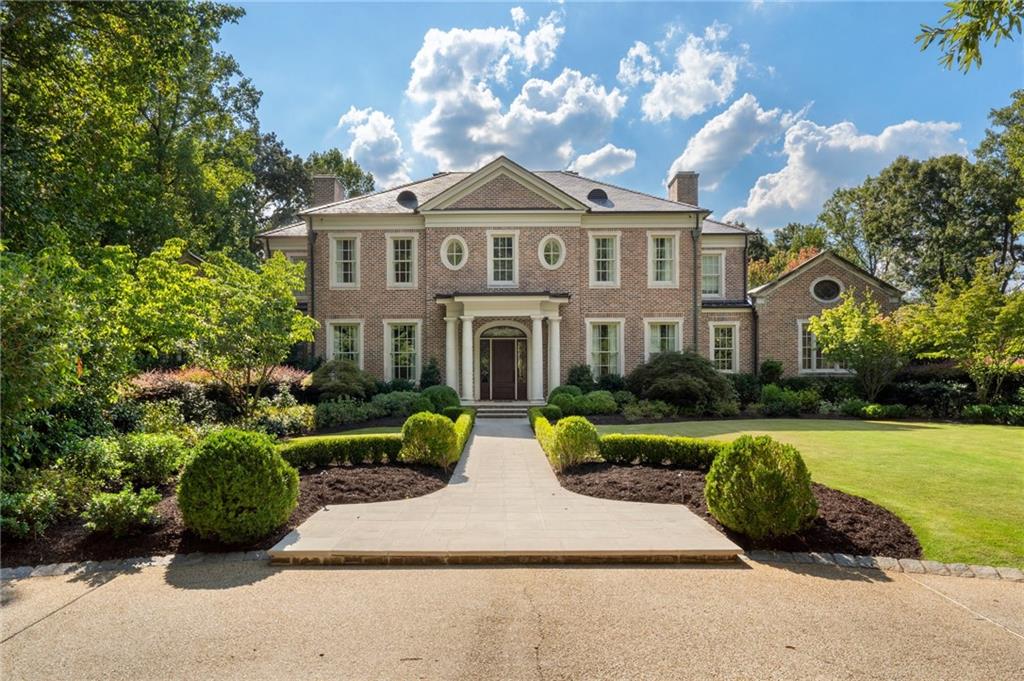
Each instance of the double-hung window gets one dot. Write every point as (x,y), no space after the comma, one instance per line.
(663,335)
(712,275)
(724,346)
(346,341)
(345,261)
(604,260)
(811,357)
(402,258)
(402,352)
(661,261)
(604,341)
(503,258)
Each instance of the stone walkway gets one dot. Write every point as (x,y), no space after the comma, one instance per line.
(503,504)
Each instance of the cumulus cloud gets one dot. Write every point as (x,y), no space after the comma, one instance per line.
(454,73)
(376,145)
(728,137)
(819,159)
(703,74)
(519,16)
(606,161)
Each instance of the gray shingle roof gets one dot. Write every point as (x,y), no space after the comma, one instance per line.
(293,229)
(620,199)
(715,227)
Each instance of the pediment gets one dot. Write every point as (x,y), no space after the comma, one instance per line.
(502,185)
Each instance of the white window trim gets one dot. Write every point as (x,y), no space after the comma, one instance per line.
(721,274)
(333,245)
(649,321)
(415,259)
(735,345)
(388,367)
(444,252)
(814,283)
(593,236)
(540,252)
(589,322)
(491,234)
(331,323)
(674,281)
(800,354)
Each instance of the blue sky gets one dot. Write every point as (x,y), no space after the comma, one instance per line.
(774,104)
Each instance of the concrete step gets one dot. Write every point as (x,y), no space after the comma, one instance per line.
(501,413)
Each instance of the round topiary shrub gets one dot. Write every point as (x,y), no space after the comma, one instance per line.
(575,441)
(442,397)
(237,488)
(566,402)
(430,439)
(760,487)
(598,402)
(573,390)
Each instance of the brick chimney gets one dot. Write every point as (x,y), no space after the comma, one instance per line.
(683,187)
(326,189)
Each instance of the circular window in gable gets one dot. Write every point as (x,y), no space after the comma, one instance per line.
(551,251)
(454,252)
(826,290)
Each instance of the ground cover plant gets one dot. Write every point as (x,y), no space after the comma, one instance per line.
(956,485)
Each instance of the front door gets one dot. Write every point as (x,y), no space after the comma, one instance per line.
(503,368)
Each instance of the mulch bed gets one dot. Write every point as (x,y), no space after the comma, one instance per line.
(845,523)
(69,541)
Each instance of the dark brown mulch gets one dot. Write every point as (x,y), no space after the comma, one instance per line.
(845,523)
(69,541)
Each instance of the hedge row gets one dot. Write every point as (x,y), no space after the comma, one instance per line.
(658,450)
(544,431)
(324,450)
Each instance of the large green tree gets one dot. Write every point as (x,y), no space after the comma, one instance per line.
(123,125)
(292,177)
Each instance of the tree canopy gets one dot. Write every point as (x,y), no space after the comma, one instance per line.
(966,24)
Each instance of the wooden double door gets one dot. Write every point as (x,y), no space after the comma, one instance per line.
(503,368)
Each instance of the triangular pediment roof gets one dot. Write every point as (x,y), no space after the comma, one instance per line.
(502,184)
(824,256)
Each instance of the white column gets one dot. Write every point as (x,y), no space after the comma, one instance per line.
(554,353)
(467,358)
(451,352)
(537,358)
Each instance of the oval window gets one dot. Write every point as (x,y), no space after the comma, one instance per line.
(551,251)
(453,252)
(826,290)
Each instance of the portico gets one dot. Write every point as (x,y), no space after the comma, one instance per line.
(495,344)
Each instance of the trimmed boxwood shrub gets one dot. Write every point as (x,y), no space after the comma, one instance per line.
(463,429)
(401,403)
(623,397)
(325,450)
(574,442)
(573,390)
(441,397)
(122,513)
(884,411)
(596,402)
(776,401)
(345,412)
(552,412)
(658,450)
(852,407)
(430,439)
(544,431)
(237,488)
(761,488)
(95,458)
(150,459)
(565,402)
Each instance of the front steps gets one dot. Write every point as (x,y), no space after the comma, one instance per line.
(509,411)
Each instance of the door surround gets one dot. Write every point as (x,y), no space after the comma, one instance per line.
(478,333)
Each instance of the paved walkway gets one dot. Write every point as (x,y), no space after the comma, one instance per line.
(253,621)
(503,503)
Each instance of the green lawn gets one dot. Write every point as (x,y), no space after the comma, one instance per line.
(960,487)
(356,431)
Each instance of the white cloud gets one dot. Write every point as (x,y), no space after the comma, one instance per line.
(703,74)
(725,139)
(376,145)
(519,16)
(819,159)
(455,71)
(606,161)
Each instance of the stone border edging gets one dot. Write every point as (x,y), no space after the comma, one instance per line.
(908,565)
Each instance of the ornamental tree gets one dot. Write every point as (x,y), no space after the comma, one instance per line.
(975,325)
(858,335)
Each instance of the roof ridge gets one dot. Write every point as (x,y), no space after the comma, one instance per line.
(620,187)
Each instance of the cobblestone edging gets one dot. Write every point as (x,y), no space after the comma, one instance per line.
(908,565)
(129,564)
